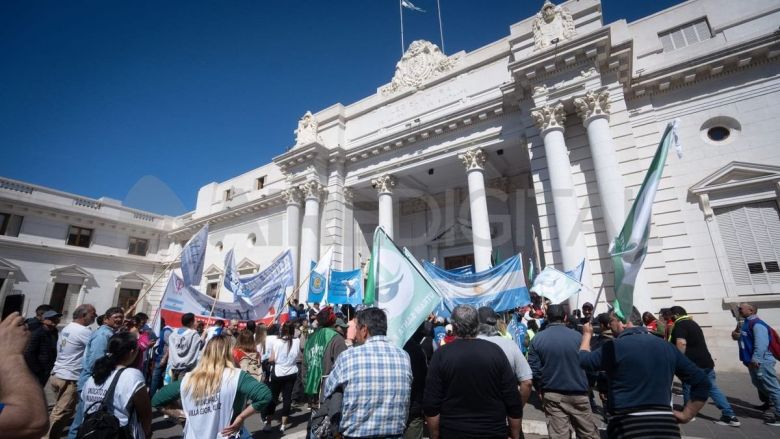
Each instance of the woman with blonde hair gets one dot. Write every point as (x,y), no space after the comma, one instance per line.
(213,395)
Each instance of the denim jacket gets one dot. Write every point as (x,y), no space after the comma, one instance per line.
(754,342)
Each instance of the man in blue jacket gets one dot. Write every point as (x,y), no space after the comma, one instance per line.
(640,368)
(560,380)
(754,353)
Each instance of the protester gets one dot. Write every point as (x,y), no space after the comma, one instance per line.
(270,340)
(320,352)
(375,377)
(184,346)
(341,327)
(449,335)
(233,328)
(668,322)
(65,374)
(587,313)
(245,355)
(689,339)
(131,397)
(146,338)
(24,404)
(653,325)
(218,328)
(160,358)
(284,356)
(470,390)
(640,368)
(439,332)
(36,321)
(418,360)
(214,394)
(488,320)
(96,349)
(754,352)
(260,336)
(41,351)
(558,377)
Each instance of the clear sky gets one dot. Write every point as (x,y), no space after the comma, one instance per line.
(147,101)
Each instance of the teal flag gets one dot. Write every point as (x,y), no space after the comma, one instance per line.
(630,246)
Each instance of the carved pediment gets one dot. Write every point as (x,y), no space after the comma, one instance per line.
(421,62)
(213,271)
(71,271)
(247,265)
(737,174)
(133,276)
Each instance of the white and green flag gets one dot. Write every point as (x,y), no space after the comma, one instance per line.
(398,285)
(630,246)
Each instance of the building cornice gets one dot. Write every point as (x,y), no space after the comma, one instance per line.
(73,251)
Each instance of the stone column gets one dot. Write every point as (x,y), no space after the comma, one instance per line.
(474,160)
(82,293)
(549,119)
(310,234)
(593,108)
(384,186)
(293,197)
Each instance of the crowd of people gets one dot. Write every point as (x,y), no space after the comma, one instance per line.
(467,374)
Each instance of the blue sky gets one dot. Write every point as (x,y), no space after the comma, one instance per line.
(147,101)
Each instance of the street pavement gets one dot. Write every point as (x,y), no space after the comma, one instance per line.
(737,387)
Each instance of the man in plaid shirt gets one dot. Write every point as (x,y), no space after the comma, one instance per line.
(376,378)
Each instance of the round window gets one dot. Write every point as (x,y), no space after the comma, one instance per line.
(718,134)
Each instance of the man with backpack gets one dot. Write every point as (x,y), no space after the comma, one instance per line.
(759,346)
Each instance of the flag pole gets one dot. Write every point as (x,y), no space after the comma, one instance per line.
(157,279)
(441,31)
(401,11)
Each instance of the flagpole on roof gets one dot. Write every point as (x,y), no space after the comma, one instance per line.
(441,31)
(401,11)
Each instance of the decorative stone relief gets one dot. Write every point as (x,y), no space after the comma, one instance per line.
(593,104)
(307,131)
(473,159)
(292,196)
(384,184)
(312,189)
(421,62)
(549,116)
(348,194)
(552,25)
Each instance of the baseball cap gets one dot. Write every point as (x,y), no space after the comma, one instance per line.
(51,314)
(487,316)
(340,322)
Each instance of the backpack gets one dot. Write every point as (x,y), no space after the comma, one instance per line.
(250,363)
(102,424)
(774,338)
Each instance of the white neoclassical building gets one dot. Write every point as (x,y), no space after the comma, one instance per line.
(535,143)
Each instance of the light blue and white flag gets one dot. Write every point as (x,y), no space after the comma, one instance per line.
(555,285)
(346,287)
(261,289)
(409,5)
(232,281)
(576,272)
(193,256)
(501,287)
(318,279)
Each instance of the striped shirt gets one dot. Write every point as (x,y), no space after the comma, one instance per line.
(376,378)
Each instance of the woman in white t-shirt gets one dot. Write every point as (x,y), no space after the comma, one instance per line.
(284,356)
(131,397)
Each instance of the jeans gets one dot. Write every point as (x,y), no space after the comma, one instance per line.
(717,396)
(765,380)
(77,419)
(157,379)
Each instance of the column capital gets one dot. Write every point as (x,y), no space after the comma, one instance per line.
(473,159)
(384,184)
(594,104)
(292,196)
(349,195)
(312,190)
(549,117)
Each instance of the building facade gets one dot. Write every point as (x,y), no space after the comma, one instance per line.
(535,144)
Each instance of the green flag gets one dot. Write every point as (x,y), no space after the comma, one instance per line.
(630,246)
(402,290)
(369,296)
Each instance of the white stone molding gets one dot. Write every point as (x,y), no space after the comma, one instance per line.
(292,196)
(737,183)
(384,184)
(308,130)
(421,62)
(552,25)
(473,159)
(549,117)
(348,194)
(593,104)
(312,189)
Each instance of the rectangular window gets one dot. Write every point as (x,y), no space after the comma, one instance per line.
(10,225)
(79,236)
(751,237)
(58,295)
(138,246)
(212,289)
(127,298)
(228,194)
(685,35)
(260,183)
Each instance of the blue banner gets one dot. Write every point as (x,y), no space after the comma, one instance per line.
(346,287)
(193,255)
(501,287)
(317,285)
(253,289)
